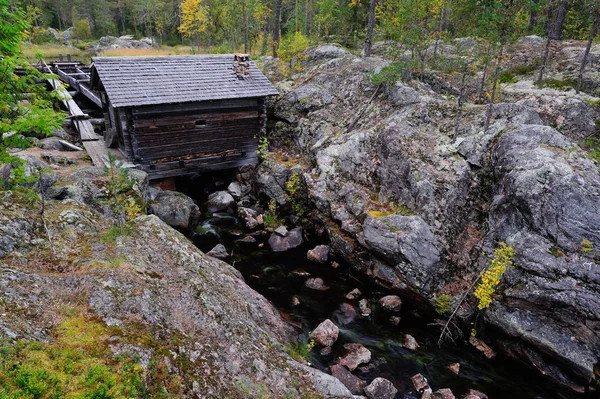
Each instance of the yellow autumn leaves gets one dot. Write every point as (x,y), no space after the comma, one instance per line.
(490,278)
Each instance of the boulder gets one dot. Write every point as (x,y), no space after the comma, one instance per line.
(420,383)
(350,381)
(317,284)
(482,347)
(282,231)
(325,334)
(363,304)
(353,295)
(175,209)
(219,252)
(354,355)
(318,254)
(235,190)
(50,143)
(532,40)
(454,368)
(249,216)
(43,176)
(325,51)
(219,201)
(473,394)
(380,388)
(346,314)
(292,240)
(410,342)
(444,393)
(390,303)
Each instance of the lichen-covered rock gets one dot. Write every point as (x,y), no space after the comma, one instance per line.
(175,209)
(380,388)
(318,254)
(390,303)
(325,334)
(354,355)
(325,51)
(280,243)
(350,381)
(220,201)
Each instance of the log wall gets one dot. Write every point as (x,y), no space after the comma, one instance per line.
(178,139)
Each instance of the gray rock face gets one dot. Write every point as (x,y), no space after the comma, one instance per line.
(39,170)
(410,198)
(405,240)
(175,209)
(219,201)
(249,216)
(532,40)
(381,388)
(545,202)
(279,243)
(271,179)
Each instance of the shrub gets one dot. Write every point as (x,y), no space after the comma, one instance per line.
(271,217)
(291,52)
(389,74)
(490,278)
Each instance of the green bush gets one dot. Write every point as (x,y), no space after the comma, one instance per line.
(507,77)
(389,74)
(442,304)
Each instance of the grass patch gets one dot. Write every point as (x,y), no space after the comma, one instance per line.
(557,84)
(77,364)
(557,253)
(133,52)
(592,145)
(378,214)
(507,77)
(50,52)
(442,304)
(524,69)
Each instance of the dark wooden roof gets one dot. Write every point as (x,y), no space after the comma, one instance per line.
(133,81)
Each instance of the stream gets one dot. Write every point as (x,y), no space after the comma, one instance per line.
(281,276)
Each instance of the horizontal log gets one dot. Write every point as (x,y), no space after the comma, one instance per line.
(198,152)
(201,131)
(193,106)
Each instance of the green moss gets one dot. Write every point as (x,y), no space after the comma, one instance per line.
(586,246)
(76,364)
(442,304)
(557,253)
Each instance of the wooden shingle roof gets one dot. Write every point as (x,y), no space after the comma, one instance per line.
(133,81)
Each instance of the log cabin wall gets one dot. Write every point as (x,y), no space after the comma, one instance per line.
(175,139)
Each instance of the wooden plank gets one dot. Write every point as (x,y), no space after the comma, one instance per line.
(151,110)
(201,166)
(97,151)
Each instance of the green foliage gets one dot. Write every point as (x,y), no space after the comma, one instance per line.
(82,30)
(76,364)
(592,145)
(507,77)
(291,52)
(300,351)
(271,216)
(389,74)
(556,252)
(490,278)
(294,195)
(442,304)
(263,148)
(586,246)
(558,84)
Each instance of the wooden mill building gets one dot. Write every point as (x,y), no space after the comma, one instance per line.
(178,115)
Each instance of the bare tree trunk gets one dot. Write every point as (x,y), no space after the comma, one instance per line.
(533,17)
(485,68)
(547,46)
(370,27)
(263,48)
(245,16)
(277,27)
(488,117)
(593,33)
(461,96)
(560,15)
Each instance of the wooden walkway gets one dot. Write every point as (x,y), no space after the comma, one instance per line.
(92,142)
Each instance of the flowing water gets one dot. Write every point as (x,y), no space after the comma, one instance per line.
(282,276)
